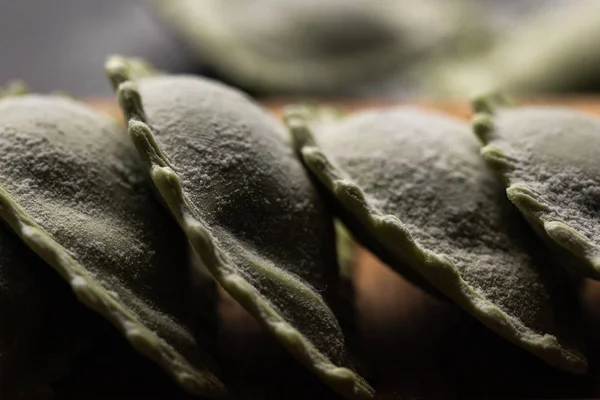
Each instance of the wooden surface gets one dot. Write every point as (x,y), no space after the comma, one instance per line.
(412,345)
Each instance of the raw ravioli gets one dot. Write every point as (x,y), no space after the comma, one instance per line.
(228,173)
(548,158)
(73,189)
(413,188)
(315,45)
(553,50)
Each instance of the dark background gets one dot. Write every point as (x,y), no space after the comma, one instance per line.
(62,44)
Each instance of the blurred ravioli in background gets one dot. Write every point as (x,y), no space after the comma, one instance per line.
(315,46)
(411,186)
(555,49)
(73,189)
(226,170)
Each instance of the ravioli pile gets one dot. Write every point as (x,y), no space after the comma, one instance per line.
(201,169)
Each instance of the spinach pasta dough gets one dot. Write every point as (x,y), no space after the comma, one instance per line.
(412,187)
(73,189)
(548,158)
(228,174)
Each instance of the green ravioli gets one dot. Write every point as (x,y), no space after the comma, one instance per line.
(228,173)
(315,45)
(36,345)
(548,158)
(73,189)
(555,49)
(412,187)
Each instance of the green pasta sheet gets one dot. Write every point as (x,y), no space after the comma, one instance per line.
(412,187)
(73,189)
(334,46)
(227,172)
(548,159)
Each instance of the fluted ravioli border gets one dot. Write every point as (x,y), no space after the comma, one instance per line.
(437,268)
(536,211)
(122,74)
(89,292)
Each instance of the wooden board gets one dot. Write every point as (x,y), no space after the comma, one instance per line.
(412,345)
